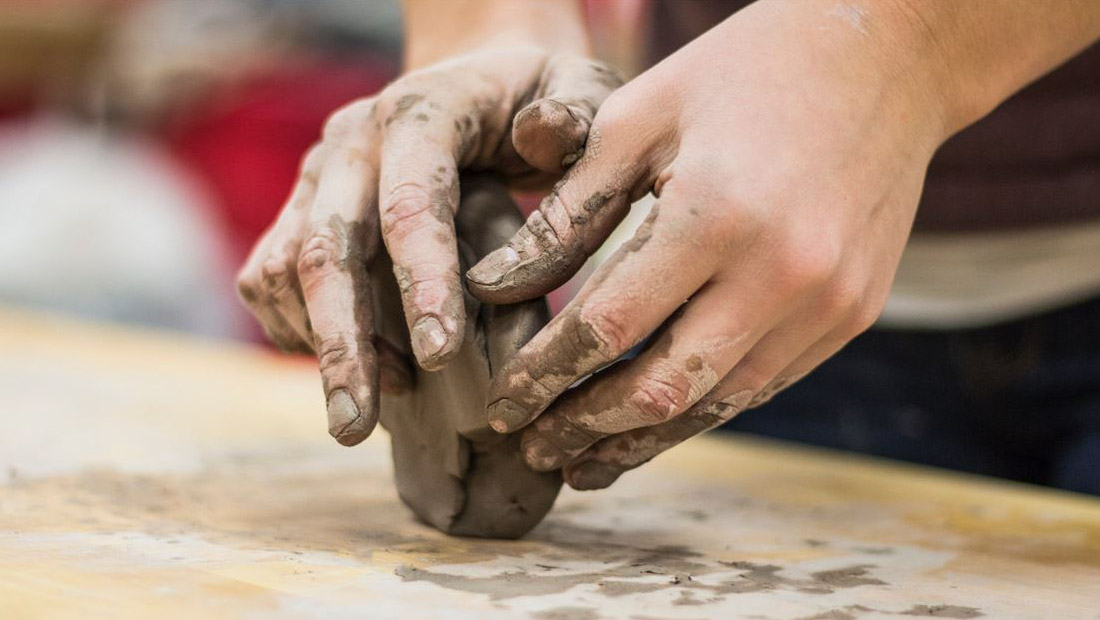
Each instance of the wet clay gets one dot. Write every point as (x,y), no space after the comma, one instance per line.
(451,468)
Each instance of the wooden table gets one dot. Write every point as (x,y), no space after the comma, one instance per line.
(151,476)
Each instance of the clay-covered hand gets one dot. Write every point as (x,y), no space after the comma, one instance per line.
(387,167)
(787,155)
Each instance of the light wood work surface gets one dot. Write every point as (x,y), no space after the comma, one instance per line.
(156,477)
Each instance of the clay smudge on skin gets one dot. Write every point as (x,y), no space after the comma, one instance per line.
(444,195)
(550,133)
(543,378)
(247,292)
(349,373)
(590,350)
(624,452)
(773,388)
(402,107)
(591,413)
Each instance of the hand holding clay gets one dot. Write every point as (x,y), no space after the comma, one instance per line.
(452,470)
(787,177)
(387,166)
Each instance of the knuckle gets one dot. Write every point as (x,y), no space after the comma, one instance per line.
(657,400)
(275,276)
(248,286)
(805,265)
(558,223)
(405,207)
(545,234)
(311,160)
(323,248)
(340,125)
(604,332)
(407,95)
(577,432)
(838,300)
(752,379)
(335,350)
(862,319)
(347,121)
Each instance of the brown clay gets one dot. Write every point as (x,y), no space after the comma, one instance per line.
(451,469)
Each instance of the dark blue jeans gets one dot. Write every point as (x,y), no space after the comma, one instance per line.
(1017,400)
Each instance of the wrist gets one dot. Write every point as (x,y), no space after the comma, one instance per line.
(438,30)
(871,61)
(974,55)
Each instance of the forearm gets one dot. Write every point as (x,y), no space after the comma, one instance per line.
(979,53)
(942,63)
(435,29)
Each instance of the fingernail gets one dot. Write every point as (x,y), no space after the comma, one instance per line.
(570,158)
(492,269)
(541,455)
(428,338)
(342,417)
(592,475)
(505,415)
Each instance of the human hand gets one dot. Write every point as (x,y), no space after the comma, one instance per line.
(788,155)
(387,166)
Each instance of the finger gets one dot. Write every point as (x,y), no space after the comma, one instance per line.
(250,288)
(761,374)
(419,188)
(678,367)
(269,281)
(602,464)
(794,372)
(629,296)
(280,273)
(569,225)
(334,280)
(550,132)
(283,291)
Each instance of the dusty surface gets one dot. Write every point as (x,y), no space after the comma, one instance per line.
(149,477)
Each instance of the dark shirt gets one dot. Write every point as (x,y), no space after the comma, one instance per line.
(1034,161)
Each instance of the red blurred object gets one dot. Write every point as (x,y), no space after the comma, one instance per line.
(248,148)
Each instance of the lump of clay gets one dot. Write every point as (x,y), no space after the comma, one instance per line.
(452,470)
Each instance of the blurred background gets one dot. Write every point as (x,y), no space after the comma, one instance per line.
(146,144)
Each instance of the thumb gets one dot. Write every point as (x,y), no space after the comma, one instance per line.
(570,224)
(550,132)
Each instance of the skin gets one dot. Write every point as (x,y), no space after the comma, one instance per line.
(787,148)
(386,171)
